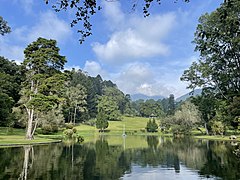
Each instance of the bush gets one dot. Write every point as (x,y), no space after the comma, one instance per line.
(152,126)
(47,129)
(217,127)
(74,130)
(68,133)
(90,122)
(69,125)
(72,134)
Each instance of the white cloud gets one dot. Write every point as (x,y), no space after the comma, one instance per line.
(48,26)
(93,68)
(27,5)
(76,67)
(51,27)
(134,39)
(133,76)
(149,80)
(12,52)
(113,14)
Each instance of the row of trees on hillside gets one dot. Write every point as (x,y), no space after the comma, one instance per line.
(159,108)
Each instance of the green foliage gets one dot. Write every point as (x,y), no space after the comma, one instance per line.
(101,122)
(76,103)
(237,123)
(6,104)
(171,105)
(152,126)
(217,40)
(184,119)
(206,104)
(42,88)
(49,129)
(68,133)
(10,80)
(217,127)
(150,108)
(217,71)
(4,28)
(117,96)
(51,120)
(94,88)
(71,133)
(69,125)
(74,130)
(109,107)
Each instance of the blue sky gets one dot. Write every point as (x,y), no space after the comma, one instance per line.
(140,55)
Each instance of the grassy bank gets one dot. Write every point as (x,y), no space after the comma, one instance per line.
(15,137)
(132,126)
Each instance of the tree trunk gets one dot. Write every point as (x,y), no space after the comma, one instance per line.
(205,125)
(29,134)
(74,116)
(71,117)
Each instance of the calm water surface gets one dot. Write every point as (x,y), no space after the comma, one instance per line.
(131,157)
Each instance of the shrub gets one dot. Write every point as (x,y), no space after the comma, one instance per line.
(151,126)
(217,127)
(47,129)
(68,133)
(90,122)
(69,125)
(74,130)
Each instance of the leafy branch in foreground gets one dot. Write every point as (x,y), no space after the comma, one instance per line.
(4,28)
(85,9)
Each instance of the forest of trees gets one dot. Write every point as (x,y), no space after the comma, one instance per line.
(39,93)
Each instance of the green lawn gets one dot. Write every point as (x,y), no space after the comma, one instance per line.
(17,137)
(11,131)
(132,125)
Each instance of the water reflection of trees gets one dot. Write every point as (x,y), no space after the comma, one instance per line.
(102,161)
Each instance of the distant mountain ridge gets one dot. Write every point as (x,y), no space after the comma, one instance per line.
(188,95)
(135,97)
(138,96)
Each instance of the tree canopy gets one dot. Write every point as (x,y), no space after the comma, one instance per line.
(4,28)
(217,40)
(44,80)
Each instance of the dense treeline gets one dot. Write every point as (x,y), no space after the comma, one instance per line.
(11,76)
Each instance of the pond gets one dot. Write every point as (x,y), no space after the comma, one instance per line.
(131,157)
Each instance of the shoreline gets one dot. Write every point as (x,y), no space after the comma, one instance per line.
(26,144)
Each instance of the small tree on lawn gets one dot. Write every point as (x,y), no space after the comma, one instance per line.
(101,122)
(151,126)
